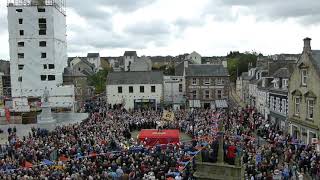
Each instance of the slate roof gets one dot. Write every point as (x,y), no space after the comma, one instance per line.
(282,73)
(130,53)
(316,60)
(208,70)
(69,72)
(93,55)
(137,77)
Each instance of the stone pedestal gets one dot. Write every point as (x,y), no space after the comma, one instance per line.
(45,119)
(218,171)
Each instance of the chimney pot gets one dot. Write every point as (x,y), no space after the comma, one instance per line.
(307,46)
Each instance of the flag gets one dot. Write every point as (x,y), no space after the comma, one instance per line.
(63,158)
(93,154)
(27,164)
(168,116)
(54,155)
(8,116)
(47,162)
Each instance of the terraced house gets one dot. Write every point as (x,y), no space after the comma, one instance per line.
(304,94)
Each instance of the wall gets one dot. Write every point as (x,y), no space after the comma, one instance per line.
(295,84)
(171,89)
(56,53)
(113,97)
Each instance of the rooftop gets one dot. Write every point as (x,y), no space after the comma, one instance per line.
(206,70)
(60,5)
(138,77)
(93,55)
(130,53)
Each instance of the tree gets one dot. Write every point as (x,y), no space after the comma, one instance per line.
(168,70)
(238,63)
(98,80)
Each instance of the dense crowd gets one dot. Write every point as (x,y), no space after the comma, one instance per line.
(102,147)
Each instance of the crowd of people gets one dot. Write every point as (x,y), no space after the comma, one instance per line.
(102,147)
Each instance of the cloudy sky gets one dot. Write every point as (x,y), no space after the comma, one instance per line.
(172,27)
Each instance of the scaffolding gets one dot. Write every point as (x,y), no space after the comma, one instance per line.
(60,5)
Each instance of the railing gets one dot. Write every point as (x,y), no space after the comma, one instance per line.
(58,4)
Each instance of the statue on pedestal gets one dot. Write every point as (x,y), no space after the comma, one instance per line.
(45,119)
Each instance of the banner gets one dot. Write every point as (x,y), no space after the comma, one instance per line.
(168,116)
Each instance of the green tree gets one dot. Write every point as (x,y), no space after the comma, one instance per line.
(166,69)
(238,63)
(98,80)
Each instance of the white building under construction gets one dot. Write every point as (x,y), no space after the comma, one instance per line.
(38,53)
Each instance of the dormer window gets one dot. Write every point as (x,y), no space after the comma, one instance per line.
(276,83)
(304,76)
(284,83)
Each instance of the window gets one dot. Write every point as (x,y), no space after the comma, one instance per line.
(272,103)
(180,87)
(41,10)
(284,106)
(18,10)
(206,94)
(219,81)
(153,89)
(278,104)
(219,94)
(297,105)
(194,94)
(119,89)
(51,77)
(276,83)
(20,79)
(142,89)
(20,21)
(194,81)
(43,77)
(206,81)
(45,66)
(20,66)
(51,66)
(21,44)
(304,76)
(42,43)
(21,32)
(43,55)
(130,89)
(310,107)
(20,55)
(42,32)
(43,26)
(284,83)
(42,20)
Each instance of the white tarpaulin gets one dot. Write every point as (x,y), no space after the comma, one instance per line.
(221,104)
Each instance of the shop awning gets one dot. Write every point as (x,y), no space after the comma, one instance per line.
(221,104)
(194,103)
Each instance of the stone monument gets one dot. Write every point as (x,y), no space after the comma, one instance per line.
(45,119)
(219,170)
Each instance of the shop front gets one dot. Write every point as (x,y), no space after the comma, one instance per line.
(144,104)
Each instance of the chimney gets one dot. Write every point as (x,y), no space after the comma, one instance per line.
(307,46)
(186,63)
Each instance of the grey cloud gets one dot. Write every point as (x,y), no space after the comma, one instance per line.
(148,28)
(305,11)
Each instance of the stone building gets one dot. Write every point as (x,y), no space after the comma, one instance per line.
(135,90)
(207,86)
(304,94)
